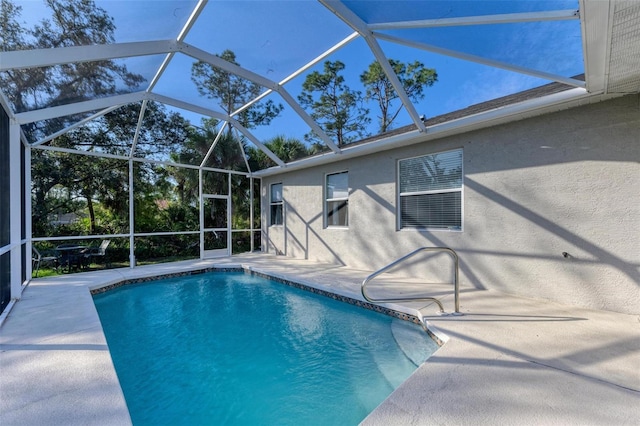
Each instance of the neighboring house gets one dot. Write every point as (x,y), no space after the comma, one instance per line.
(546,206)
(64,219)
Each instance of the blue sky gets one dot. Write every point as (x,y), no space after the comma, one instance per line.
(274,38)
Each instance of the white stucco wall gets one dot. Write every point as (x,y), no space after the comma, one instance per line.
(533,189)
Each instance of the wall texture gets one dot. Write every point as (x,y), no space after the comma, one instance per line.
(567,182)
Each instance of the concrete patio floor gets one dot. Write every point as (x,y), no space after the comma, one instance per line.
(506,360)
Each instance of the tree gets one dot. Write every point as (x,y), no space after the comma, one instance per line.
(233,92)
(93,184)
(336,108)
(17,84)
(11,32)
(92,187)
(229,150)
(82,23)
(72,23)
(162,132)
(414,78)
(287,149)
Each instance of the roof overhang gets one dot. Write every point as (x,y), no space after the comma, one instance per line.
(518,111)
(611,44)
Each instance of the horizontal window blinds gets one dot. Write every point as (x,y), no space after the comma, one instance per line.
(431,172)
(431,191)
(442,211)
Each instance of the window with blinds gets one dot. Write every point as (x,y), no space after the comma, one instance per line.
(431,191)
(276,204)
(337,200)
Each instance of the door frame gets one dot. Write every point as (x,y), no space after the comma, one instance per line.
(212,253)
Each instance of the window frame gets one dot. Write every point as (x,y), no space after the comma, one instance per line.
(400,195)
(276,203)
(328,200)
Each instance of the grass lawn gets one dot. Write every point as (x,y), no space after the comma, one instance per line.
(50,272)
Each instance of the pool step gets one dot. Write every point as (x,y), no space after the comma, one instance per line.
(416,345)
(413,341)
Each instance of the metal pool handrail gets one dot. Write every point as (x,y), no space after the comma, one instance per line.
(406,299)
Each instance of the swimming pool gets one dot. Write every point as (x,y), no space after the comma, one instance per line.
(235,348)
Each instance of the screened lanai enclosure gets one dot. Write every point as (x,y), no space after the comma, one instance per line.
(136,132)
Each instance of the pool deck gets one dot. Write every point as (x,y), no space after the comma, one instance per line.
(506,360)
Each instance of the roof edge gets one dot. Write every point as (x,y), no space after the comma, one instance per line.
(506,114)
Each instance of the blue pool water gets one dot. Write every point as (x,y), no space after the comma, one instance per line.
(234,348)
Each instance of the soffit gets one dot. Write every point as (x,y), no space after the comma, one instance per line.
(624,63)
(611,33)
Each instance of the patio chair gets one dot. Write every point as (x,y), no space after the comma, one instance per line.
(37,259)
(99,252)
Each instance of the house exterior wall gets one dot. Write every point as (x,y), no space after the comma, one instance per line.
(567,182)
